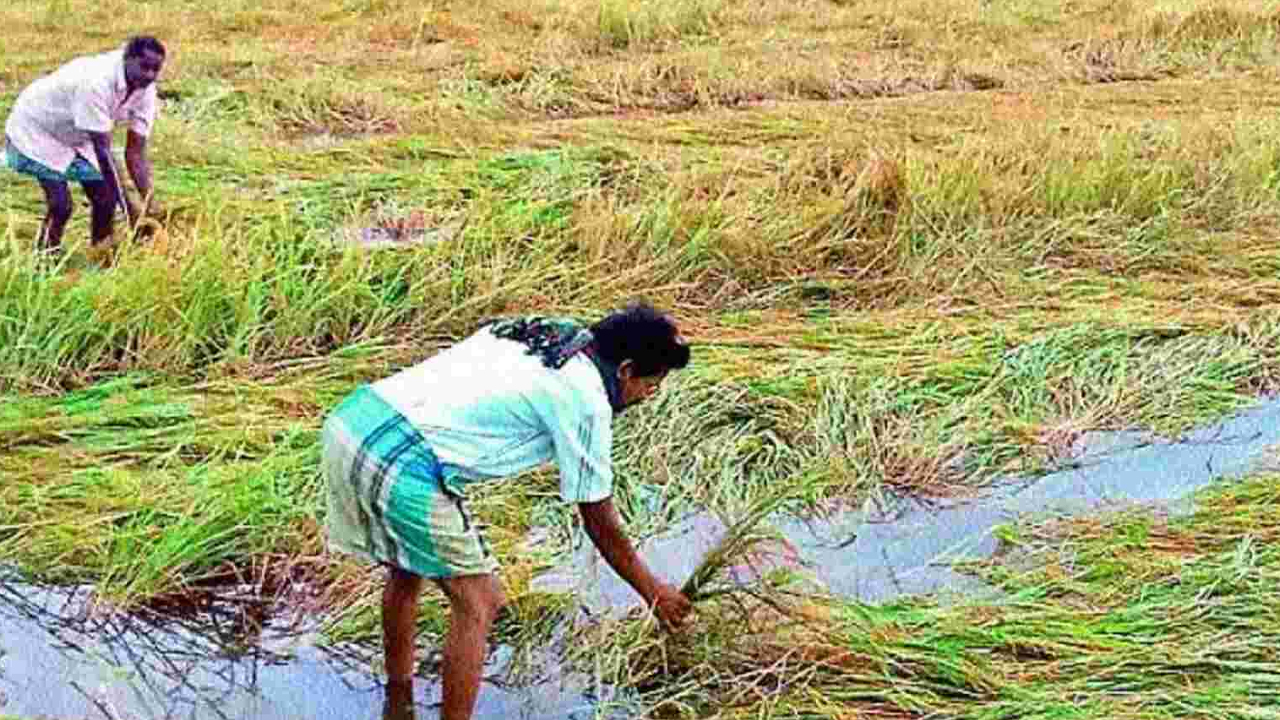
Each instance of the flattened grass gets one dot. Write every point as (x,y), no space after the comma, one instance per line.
(1181,235)
(1130,615)
(916,246)
(124,469)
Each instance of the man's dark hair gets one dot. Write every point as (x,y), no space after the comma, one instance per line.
(641,334)
(143,43)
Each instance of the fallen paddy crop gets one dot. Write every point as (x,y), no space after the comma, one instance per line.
(1130,614)
(917,247)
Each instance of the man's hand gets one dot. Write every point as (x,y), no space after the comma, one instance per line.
(135,211)
(671,606)
(605,530)
(147,217)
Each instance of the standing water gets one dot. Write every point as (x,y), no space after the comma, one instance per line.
(60,658)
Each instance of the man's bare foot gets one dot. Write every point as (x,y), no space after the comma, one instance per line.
(49,258)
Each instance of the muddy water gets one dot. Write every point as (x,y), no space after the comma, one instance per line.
(380,237)
(907,546)
(59,661)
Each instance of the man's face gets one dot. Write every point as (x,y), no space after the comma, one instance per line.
(141,70)
(636,388)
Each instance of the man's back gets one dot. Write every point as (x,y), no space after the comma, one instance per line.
(490,409)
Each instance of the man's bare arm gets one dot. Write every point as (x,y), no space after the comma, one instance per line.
(601,522)
(106,163)
(139,164)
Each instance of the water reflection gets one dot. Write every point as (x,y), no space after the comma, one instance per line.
(227,658)
(221,659)
(910,547)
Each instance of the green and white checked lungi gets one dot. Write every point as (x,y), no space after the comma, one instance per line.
(389,499)
(81,170)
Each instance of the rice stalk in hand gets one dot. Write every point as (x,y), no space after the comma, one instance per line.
(738,540)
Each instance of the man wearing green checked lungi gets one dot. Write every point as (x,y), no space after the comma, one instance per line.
(517,393)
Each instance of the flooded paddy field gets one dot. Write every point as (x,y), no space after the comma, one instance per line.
(235,656)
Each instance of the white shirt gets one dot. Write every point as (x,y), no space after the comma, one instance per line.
(52,118)
(490,409)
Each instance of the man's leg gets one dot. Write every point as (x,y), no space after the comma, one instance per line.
(400,624)
(58,206)
(474,601)
(398,704)
(102,197)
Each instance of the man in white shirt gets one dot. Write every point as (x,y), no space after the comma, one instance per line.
(516,394)
(60,130)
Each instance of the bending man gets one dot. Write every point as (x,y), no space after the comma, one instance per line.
(515,394)
(60,130)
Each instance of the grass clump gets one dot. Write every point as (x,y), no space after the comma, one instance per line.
(621,25)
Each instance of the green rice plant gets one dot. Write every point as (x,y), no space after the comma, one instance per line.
(622,25)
